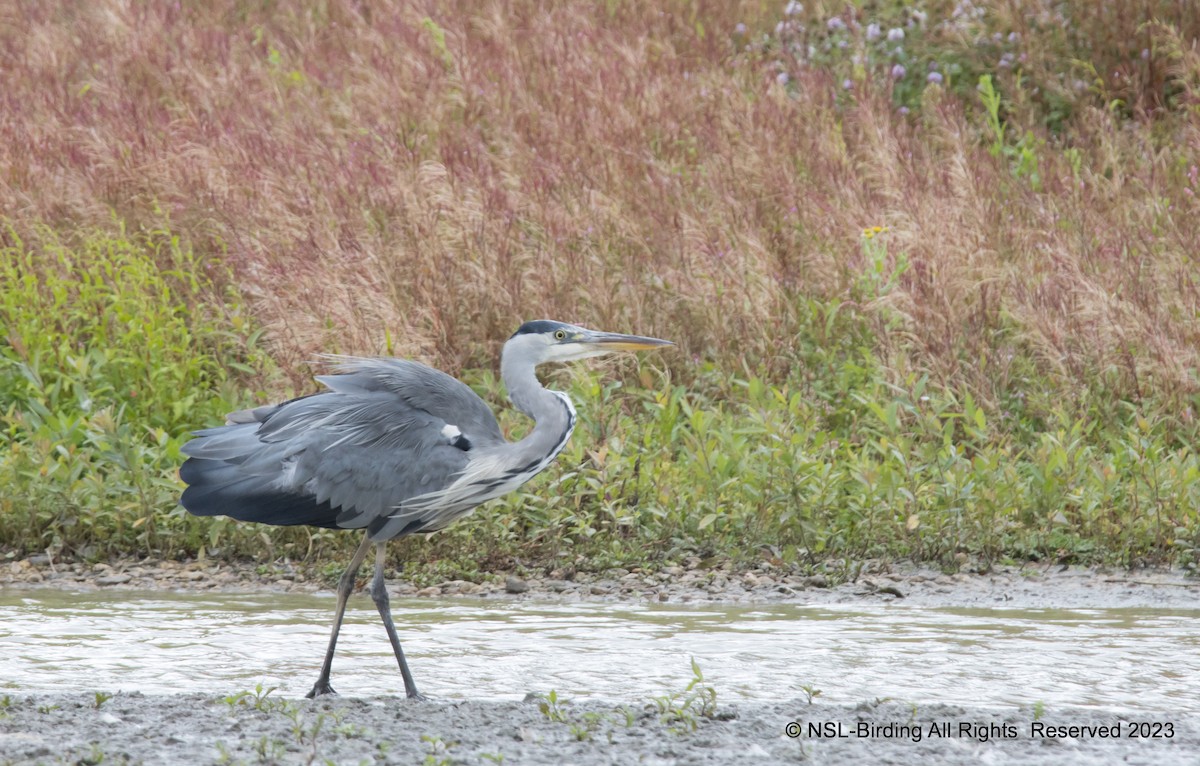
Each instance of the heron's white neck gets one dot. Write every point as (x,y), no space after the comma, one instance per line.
(552,411)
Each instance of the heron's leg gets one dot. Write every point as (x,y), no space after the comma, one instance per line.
(345,586)
(380,595)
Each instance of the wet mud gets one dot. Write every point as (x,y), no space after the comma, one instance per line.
(1145,715)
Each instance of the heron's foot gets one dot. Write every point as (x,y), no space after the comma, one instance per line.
(417,697)
(320,688)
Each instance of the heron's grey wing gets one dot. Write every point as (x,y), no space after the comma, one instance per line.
(335,459)
(423,387)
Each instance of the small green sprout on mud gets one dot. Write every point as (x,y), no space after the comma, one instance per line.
(590,722)
(583,725)
(350,730)
(306,734)
(256,699)
(811,692)
(552,708)
(1039,710)
(270,750)
(681,712)
(101,698)
(96,756)
(439,751)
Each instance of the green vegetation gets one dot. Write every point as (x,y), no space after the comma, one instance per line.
(681,712)
(307,726)
(439,751)
(584,725)
(115,347)
(260,699)
(931,268)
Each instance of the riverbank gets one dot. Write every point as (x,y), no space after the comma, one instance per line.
(191,728)
(89,725)
(1031,585)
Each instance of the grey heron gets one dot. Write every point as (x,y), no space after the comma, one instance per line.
(392,447)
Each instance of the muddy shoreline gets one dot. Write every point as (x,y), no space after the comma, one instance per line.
(81,725)
(1029,586)
(189,728)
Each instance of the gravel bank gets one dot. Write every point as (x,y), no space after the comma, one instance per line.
(1032,586)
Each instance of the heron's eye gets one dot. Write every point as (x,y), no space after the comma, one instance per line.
(560,334)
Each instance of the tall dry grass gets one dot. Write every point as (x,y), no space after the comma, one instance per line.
(440,171)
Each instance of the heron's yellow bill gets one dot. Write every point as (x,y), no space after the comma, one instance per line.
(619,342)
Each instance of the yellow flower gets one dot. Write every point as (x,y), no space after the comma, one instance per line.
(871,231)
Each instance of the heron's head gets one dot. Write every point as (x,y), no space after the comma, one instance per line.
(543,340)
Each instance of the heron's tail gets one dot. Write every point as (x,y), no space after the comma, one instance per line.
(226,478)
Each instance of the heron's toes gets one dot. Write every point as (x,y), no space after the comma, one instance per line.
(320,688)
(417,697)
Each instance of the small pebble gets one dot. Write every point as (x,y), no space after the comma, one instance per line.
(515,585)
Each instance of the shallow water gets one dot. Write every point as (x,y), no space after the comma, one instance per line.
(1126,659)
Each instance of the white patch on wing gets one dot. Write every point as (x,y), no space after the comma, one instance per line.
(289,473)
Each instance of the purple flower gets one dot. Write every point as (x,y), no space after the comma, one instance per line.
(847,84)
(894,34)
(740,29)
(782,78)
(873,31)
(934,77)
(793,9)
(835,23)
(898,71)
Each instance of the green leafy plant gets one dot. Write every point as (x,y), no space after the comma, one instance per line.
(438,751)
(810,692)
(681,712)
(553,708)
(260,699)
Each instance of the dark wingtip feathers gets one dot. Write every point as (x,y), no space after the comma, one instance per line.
(216,488)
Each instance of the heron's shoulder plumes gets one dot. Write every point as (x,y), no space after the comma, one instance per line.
(420,386)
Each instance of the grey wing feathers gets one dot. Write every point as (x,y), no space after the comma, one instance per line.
(422,387)
(386,431)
